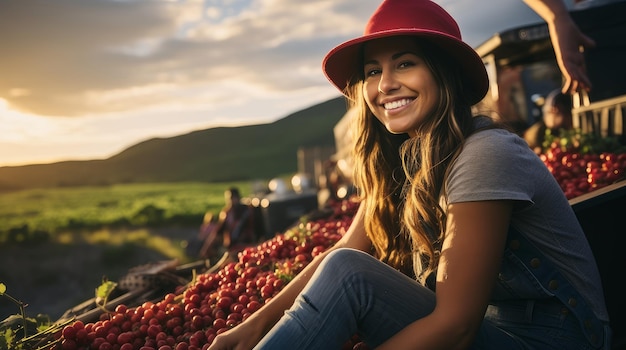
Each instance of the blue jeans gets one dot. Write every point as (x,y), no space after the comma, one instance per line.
(353,293)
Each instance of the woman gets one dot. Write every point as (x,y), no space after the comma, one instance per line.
(451,205)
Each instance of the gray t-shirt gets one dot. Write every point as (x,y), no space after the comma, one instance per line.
(498,165)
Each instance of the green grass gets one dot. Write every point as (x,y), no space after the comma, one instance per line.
(61,242)
(43,213)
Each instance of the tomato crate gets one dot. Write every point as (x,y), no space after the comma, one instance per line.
(601,214)
(603,118)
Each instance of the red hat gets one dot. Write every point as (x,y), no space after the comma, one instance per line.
(420,18)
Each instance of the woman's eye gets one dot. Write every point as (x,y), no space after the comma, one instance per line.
(371,72)
(406,64)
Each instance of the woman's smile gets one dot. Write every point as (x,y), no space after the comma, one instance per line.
(394,105)
(399,87)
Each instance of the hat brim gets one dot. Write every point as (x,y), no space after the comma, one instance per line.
(340,64)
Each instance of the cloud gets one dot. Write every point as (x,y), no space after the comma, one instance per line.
(89,77)
(86,57)
(59,50)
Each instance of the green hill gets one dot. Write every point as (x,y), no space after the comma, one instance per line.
(211,155)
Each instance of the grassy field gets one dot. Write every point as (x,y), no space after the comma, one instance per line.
(42,214)
(57,244)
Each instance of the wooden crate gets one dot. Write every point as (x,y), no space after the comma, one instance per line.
(601,214)
(603,118)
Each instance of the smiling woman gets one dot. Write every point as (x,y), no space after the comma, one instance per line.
(388,67)
(428,261)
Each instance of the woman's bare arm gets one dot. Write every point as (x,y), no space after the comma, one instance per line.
(469,263)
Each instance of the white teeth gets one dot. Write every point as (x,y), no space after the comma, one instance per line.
(397,104)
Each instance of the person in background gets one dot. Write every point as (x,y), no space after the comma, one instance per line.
(463,239)
(557,115)
(328,184)
(568,41)
(334,185)
(233,229)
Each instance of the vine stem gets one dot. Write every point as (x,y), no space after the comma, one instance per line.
(21,305)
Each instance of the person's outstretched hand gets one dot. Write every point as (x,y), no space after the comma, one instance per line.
(243,337)
(569,44)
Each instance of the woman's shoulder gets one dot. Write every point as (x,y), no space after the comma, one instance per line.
(496,147)
(498,164)
(490,136)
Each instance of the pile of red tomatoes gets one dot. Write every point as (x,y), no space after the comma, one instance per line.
(190,318)
(579,173)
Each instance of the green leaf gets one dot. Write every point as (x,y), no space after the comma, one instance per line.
(3,288)
(105,289)
(9,337)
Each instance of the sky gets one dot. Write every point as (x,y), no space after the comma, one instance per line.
(85,79)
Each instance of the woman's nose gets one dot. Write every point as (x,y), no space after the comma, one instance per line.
(387,83)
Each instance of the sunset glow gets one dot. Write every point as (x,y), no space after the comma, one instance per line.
(86,79)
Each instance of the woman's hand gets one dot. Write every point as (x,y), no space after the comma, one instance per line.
(243,337)
(247,334)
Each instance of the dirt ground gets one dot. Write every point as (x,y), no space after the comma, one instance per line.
(52,278)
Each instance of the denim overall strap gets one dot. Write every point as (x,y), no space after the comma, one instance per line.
(527,257)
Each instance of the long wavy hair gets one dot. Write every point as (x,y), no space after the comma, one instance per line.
(401,178)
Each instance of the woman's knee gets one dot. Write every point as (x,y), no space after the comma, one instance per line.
(347,261)
(343,256)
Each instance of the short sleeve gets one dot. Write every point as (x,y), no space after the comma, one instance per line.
(493,165)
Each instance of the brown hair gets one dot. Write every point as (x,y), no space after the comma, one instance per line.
(400,179)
